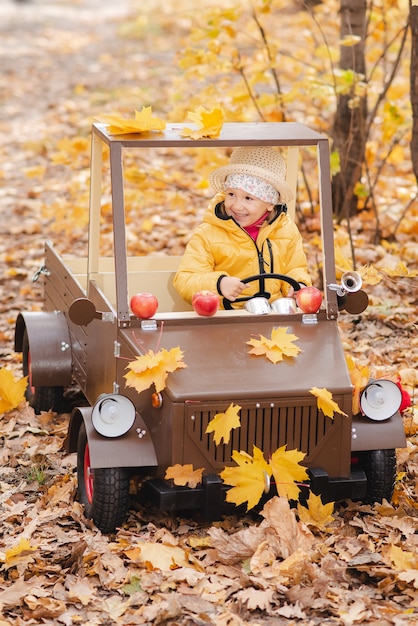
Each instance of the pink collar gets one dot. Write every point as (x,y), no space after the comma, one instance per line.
(253,229)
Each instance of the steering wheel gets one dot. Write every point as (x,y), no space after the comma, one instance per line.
(262,293)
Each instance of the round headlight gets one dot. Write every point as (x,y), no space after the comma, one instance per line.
(113,415)
(380,399)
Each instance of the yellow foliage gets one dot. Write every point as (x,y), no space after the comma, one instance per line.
(325,402)
(278,346)
(12,391)
(359,376)
(153,368)
(286,469)
(143,122)
(222,424)
(184,475)
(248,479)
(209,123)
(316,513)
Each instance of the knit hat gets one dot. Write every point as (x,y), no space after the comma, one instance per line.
(263,162)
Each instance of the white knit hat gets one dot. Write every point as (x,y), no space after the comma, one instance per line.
(263,162)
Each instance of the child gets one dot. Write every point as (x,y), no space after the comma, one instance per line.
(245,231)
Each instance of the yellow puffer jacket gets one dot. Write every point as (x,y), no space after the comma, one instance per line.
(220,247)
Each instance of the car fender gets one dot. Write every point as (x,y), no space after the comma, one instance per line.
(133,449)
(367,434)
(49,344)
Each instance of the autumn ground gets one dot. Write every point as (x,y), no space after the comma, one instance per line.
(62,63)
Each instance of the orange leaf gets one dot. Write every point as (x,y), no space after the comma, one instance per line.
(278,346)
(153,367)
(359,378)
(325,402)
(222,424)
(184,475)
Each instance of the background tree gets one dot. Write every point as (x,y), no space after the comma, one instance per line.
(413,20)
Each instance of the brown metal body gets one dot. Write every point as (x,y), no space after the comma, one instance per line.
(277,407)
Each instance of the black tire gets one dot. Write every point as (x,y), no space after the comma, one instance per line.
(40,398)
(104,492)
(380,469)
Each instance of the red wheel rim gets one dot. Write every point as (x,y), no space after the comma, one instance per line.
(88,475)
(31,387)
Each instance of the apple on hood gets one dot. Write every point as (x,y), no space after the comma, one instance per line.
(205,303)
(308,299)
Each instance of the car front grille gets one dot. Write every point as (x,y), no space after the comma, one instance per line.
(267,425)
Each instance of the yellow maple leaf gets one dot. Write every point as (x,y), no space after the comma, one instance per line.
(279,345)
(248,478)
(325,403)
(209,123)
(222,424)
(143,122)
(359,376)
(12,391)
(184,475)
(159,556)
(371,275)
(316,513)
(287,471)
(153,367)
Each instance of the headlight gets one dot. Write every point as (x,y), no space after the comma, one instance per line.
(380,399)
(113,415)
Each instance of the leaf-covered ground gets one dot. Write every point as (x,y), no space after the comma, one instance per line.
(62,63)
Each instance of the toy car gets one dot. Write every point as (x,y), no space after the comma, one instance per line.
(87,334)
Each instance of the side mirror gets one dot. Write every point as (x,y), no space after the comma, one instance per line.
(82,311)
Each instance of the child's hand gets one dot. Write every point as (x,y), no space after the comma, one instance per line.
(231,287)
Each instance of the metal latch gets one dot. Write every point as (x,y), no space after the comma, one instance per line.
(42,270)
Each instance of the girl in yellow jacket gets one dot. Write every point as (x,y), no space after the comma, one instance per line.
(245,231)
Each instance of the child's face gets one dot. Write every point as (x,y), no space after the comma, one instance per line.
(243,207)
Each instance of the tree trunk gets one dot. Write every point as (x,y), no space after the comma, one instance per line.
(350,122)
(413,21)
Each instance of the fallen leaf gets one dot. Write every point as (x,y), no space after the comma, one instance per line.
(12,390)
(222,424)
(184,475)
(325,402)
(143,122)
(279,345)
(287,471)
(153,368)
(316,513)
(209,123)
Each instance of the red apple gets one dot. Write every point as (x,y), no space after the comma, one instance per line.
(144,305)
(308,299)
(205,303)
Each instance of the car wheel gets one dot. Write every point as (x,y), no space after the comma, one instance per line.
(380,469)
(104,492)
(40,398)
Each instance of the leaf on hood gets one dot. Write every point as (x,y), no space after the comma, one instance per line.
(143,122)
(12,390)
(184,475)
(278,346)
(222,424)
(316,513)
(287,471)
(325,403)
(209,123)
(248,478)
(153,368)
